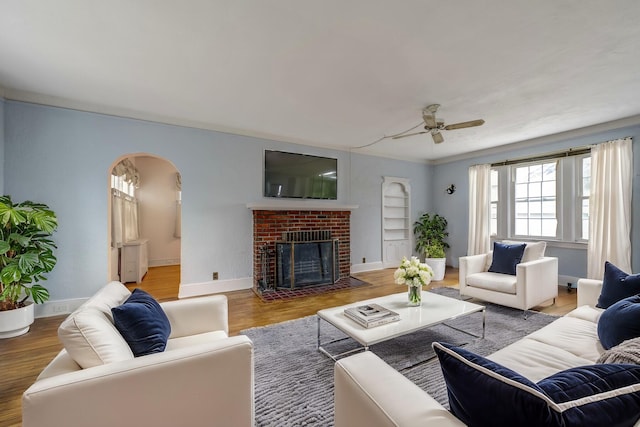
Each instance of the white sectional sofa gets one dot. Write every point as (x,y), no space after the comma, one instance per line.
(387,398)
(202,378)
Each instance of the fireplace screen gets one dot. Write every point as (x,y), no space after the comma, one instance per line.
(300,264)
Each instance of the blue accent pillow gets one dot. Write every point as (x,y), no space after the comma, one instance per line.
(620,322)
(482,392)
(142,323)
(617,285)
(506,257)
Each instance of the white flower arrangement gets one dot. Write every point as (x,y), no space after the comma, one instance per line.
(413,273)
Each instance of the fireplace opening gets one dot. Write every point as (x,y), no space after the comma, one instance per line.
(306,259)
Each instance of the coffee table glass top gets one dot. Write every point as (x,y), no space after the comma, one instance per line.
(435,309)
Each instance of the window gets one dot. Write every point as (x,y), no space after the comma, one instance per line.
(535,200)
(545,199)
(583,198)
(493,214)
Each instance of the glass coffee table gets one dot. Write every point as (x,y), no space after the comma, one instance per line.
(435,310)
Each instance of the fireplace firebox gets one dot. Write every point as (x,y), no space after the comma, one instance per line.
(302,264)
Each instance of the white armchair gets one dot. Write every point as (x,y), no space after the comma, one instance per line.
(535,282)
(203,378)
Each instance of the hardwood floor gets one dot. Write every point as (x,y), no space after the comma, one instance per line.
(23,358)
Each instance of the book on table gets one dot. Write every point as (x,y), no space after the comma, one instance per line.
(371,315)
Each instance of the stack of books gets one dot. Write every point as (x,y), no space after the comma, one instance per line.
(371,315)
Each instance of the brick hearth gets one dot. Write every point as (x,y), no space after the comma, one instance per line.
(268,226)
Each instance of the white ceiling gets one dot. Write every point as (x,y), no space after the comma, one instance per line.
(332,73)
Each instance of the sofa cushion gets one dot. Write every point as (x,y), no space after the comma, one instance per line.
(620,322)
(493,282)
(142,323)
(506,257)
(617,285)
(532,250)
(626,352)
(88,333)
(482,392)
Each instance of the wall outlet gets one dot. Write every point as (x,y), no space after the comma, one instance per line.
(364,260)
(215,275)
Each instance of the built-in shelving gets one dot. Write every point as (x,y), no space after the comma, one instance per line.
(396,220)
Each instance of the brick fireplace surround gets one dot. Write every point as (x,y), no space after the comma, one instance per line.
(268,226)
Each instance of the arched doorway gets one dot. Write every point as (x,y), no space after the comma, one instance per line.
(144,213)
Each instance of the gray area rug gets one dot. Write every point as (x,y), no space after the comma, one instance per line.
(294,382)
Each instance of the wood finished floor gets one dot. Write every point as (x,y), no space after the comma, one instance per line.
(23,358)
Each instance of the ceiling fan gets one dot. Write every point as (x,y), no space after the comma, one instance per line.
(434,125)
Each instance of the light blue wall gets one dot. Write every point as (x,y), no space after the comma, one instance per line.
(63,157)
(572,262)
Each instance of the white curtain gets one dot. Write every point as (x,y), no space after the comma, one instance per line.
(124,219)
(479,205)
(610,207)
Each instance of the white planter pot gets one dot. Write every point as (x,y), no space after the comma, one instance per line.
(438,265)
(16,322)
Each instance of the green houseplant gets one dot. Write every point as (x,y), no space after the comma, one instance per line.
(26,254)
(430,231)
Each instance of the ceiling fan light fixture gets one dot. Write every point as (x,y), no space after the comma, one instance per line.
(437,137)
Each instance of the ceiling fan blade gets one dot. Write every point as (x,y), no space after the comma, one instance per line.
(429,115)
(409,134)
(462,125)
(437,137)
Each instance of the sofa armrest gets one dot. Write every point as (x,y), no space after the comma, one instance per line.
(368,392)
(192,316)
(207,384)
(589,292)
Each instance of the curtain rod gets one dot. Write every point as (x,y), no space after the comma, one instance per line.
(567,153)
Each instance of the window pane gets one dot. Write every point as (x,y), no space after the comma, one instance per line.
(535,189)
(549,188)
(549,173)
(521,227)
(522,174)
(535,228)
(522,209)
(549,208)
(521,191)
(549,227)
(535,173)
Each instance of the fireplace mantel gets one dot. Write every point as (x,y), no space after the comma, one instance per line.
(290,205)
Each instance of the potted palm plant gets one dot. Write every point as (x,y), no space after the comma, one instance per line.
(430,231)
(26,255)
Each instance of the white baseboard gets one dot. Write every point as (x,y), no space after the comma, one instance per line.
(214,287)
(163,262)
(58,307)
(369,266)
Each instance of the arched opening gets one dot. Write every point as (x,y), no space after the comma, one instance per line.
(144,220)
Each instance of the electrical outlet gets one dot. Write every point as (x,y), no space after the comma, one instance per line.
(215,275)
(364,260)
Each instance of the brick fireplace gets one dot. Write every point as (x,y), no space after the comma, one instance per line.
(273,227)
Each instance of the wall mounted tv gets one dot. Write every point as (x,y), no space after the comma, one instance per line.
(300,176)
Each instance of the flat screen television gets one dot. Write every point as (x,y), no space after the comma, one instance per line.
(300,176)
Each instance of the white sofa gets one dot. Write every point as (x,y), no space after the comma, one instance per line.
(535,282)
(387,398)
(203,378)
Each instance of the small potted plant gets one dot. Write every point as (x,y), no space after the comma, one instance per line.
(430,231)
(26,255)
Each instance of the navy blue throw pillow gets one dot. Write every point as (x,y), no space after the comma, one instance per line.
(142,323)
(482,392)
(617,285)
(506,257)
(620,322)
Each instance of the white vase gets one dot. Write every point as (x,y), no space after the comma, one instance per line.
(16,322)
(438,265)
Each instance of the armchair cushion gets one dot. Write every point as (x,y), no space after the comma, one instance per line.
(142,323)
(532,250)
(483,392)
(506,257)
(620,322)
(617,285)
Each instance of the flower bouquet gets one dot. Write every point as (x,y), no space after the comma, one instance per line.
(414,274)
